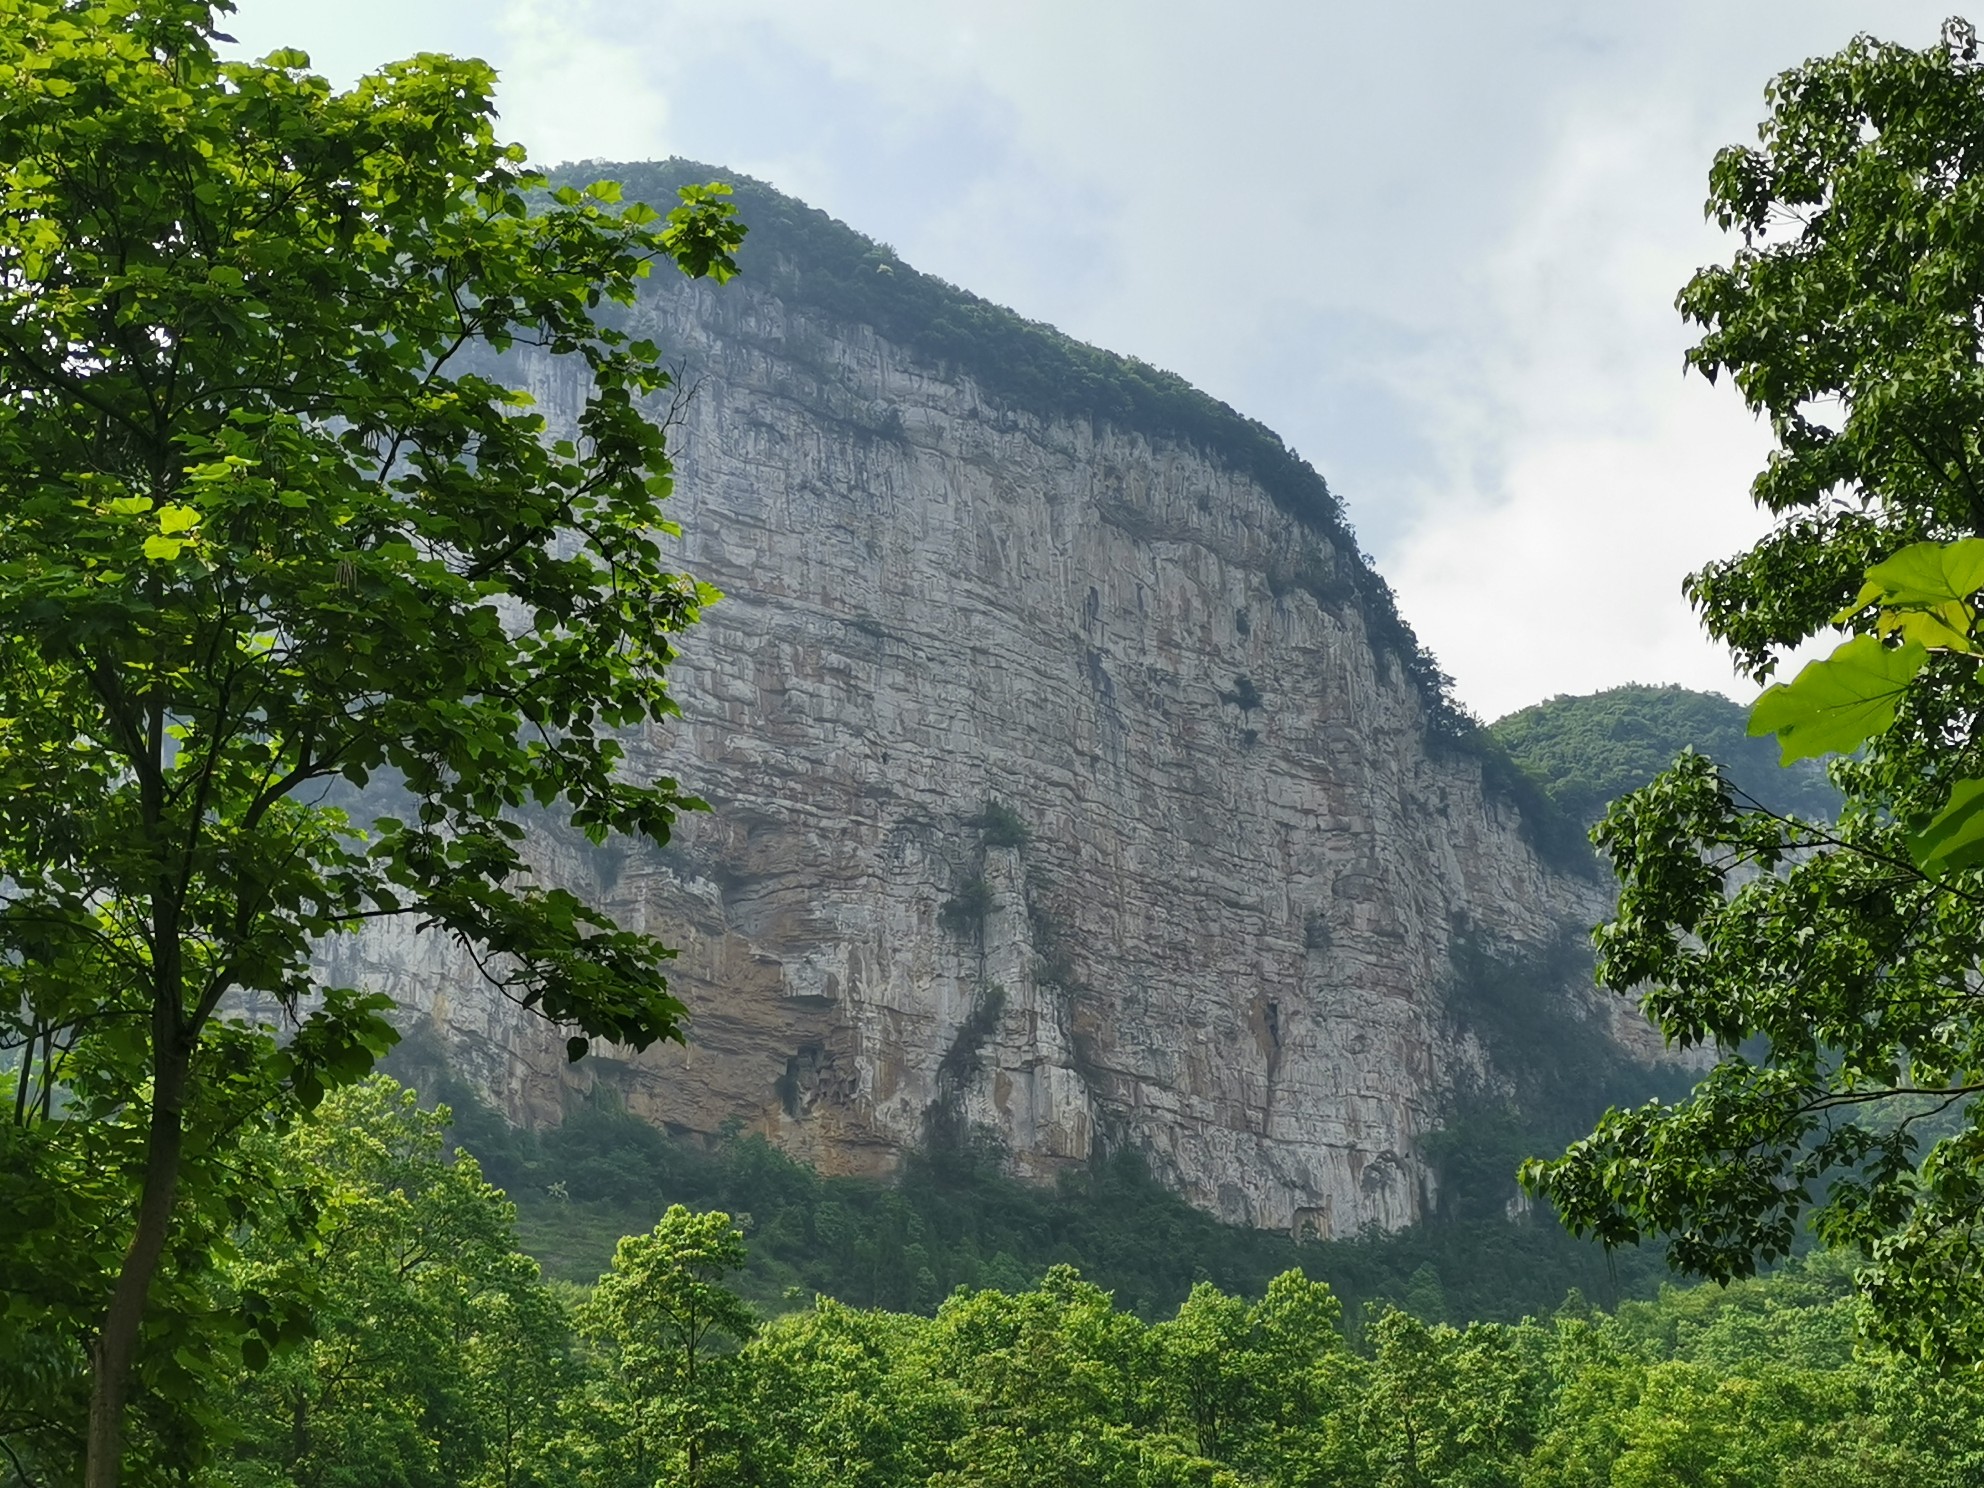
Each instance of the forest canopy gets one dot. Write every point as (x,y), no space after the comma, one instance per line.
(487,1375)
(1588,751)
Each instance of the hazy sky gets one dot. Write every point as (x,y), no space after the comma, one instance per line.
(1434,245)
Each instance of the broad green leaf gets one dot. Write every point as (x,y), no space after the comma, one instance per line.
(1838,703)
(173,519)
(1944,627)
(1930,572)
(1954,838)
(1924,594)
(163,547)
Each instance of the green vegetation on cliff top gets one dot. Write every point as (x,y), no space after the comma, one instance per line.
(1585,752)
(810,259)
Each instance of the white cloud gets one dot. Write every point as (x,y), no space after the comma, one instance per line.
(1582,475)
(571,90)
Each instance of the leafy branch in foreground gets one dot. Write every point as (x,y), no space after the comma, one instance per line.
(274,528)
(1835,966)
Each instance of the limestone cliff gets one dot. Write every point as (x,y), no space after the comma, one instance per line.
(1059,788)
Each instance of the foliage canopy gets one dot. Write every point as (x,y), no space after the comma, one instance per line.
(1834,964)
(1588,751)
(483,1376)
(274,528)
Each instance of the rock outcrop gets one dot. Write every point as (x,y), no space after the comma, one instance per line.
(1058,791)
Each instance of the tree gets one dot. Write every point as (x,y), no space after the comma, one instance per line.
(1837,972)
(437,1355)
(1451,1407)
(1205,1362)
(836,1402)
(1056,1383)
(274,527)
(664,1320)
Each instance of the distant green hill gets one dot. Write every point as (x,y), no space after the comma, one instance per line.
(1585,752)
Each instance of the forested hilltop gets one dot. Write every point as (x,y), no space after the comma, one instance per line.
(440,1358)
(1586,751)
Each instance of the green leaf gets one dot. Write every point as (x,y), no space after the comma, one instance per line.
(1924,592)
(1954,838)
(1930,572)
(1935,628)
(1836,704)
(173,519)
(163,547)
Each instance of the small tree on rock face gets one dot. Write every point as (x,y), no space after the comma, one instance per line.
(263,533)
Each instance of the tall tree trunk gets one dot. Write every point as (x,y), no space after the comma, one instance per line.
(116,1344)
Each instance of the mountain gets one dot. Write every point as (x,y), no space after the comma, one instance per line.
(1076,787)
(1585,752)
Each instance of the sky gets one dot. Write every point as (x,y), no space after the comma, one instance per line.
(1434,245)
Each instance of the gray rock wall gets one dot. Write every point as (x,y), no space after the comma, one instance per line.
(1225,940)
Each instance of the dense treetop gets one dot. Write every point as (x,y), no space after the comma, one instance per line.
(269,532)
(1587,751)
(1832,964)
(484,1375)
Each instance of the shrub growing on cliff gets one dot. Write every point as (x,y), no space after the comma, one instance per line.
(1245,695)
(965,911)
(264,535)
(1001,826)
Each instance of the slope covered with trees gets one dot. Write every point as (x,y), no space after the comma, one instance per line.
(1587,751)
(439,1356)
(953,1218)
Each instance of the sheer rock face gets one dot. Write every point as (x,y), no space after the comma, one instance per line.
(1225,940)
